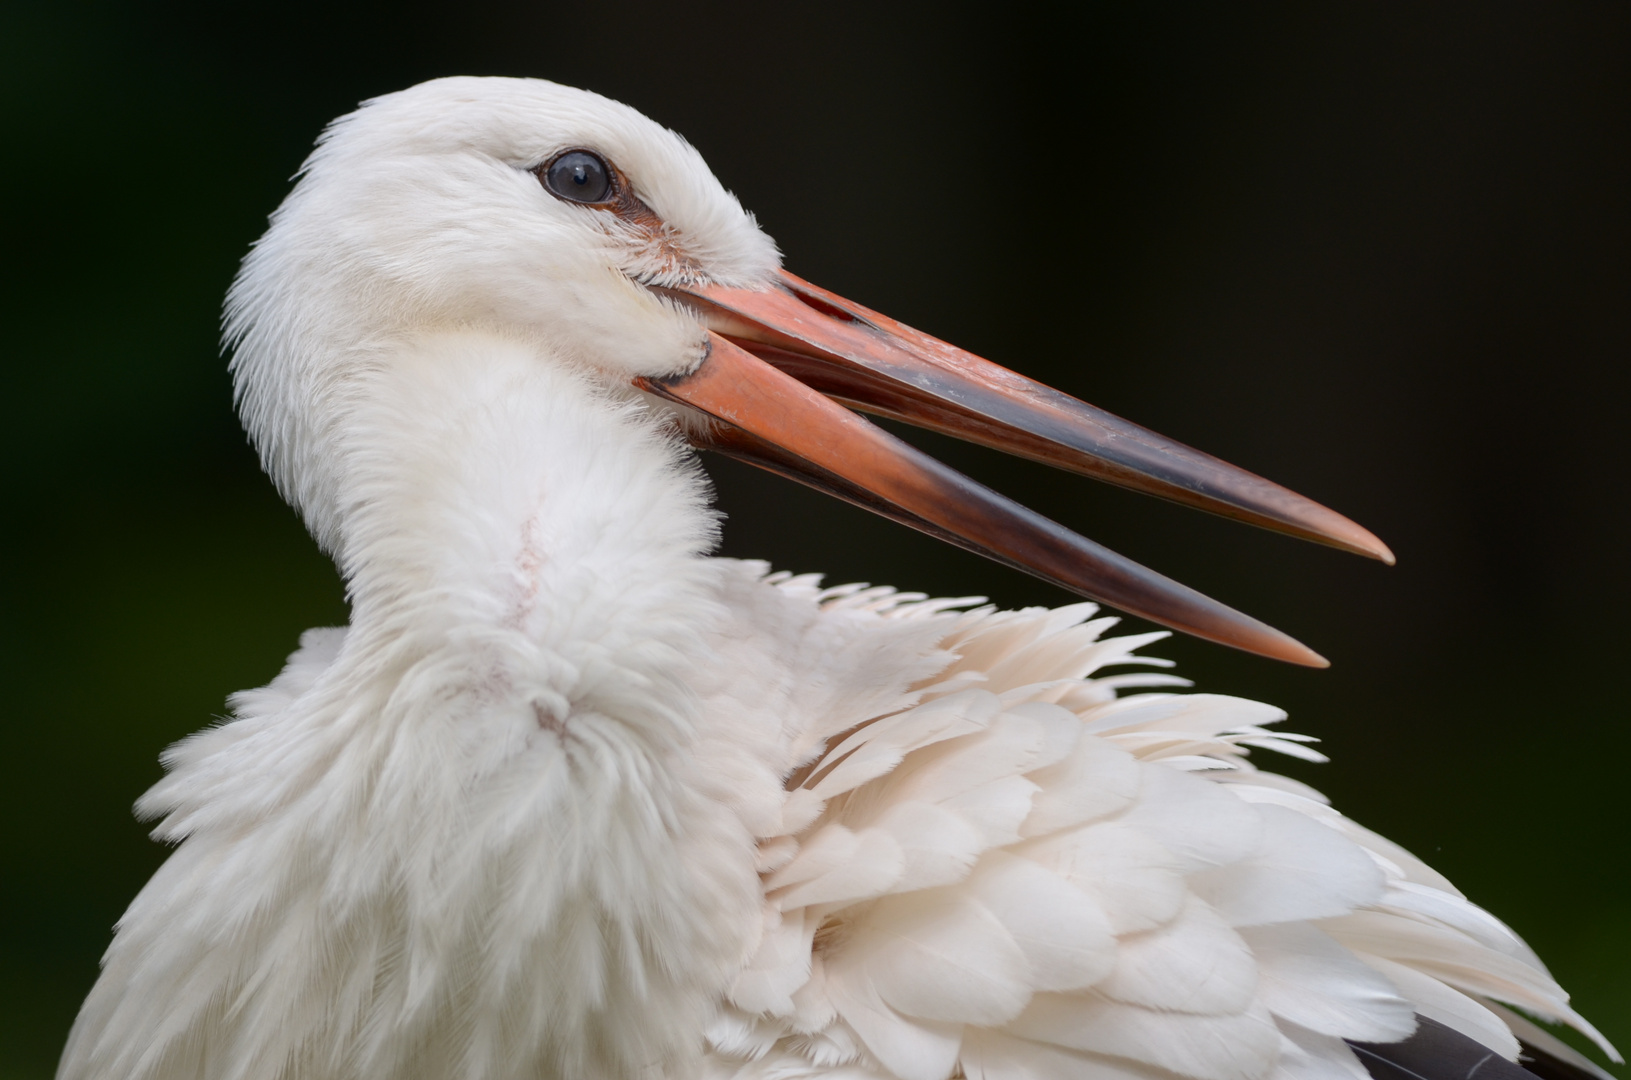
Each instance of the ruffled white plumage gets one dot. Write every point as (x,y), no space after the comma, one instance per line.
(981,861)
(1025,875)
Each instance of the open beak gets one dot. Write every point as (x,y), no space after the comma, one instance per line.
(786,360)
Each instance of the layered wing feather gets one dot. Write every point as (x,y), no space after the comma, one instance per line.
(1028,874)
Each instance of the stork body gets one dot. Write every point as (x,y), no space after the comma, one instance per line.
(570,798)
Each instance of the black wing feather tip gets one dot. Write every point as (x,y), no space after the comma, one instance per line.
(1438,1052)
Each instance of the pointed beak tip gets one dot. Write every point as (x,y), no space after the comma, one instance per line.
(1368,544)
(1345,534)
(1275,644)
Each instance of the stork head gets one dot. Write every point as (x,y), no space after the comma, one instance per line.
(558,218)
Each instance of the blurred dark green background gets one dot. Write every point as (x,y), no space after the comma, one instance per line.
(1378,253)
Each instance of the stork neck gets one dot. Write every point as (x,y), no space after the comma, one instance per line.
(499,775)
(485,485)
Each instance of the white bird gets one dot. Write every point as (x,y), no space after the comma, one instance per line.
(570,798)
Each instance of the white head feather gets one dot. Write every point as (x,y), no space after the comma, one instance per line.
(420,212)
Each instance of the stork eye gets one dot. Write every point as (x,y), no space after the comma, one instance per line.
(577,176)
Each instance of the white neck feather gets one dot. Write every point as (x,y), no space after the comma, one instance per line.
(483,485)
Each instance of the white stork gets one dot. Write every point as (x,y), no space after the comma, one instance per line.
(569,798)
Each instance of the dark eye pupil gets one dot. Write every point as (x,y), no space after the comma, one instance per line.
(578,176)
